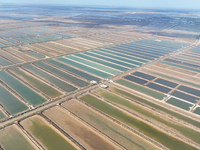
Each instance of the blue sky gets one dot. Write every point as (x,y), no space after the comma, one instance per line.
(190,4)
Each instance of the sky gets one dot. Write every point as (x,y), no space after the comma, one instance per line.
(186,4)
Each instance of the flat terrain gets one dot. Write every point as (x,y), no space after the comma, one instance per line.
(86,136)
(99,78)
(12,134)
(122,136)
(46,134)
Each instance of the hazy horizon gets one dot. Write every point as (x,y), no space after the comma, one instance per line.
(168,4)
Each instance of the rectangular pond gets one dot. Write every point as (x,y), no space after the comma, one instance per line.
(59,83)
(143,75)
(184,96)
(140,109)
(178,103)
(108,59)
(5,42)
(11,138)
(174,78)
(97,60)
(127,52)
(9,57)
(85,68)
(159,87)
(137,52)
(113,59)
(46,134)
(94,65)
(135,79)
(62,74)
(190,90)
(2,116)
(131,121)
(118,57)
(125,93)
(141,89)
(119,134)
(4,62)
(146,47)
(180,66)
(11,40)
(25,92)
(197,111)
(80,73)
(43,87)
(123,55)
(165,82)
(10,102)
(36,55)
(19,54)
(142,50)
(85,135)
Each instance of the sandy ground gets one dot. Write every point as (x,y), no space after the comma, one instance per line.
(121,135)
(81,132)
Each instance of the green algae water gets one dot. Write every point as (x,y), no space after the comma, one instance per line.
(85,68)
(29,95)
(12,139)
(10,102)
(110,59)
(189,133)
(82,74)
(175,79)
(46,89)
(63,75)
(141,89)
(4,62)
(107,50)
(112,65)
(197,111)
(108,127)
(166,140)
(178,103)
(49,137)
(119,58)
(2,115)
(59,83)
(95,65)
(36,55)
(180,66)
(141,100)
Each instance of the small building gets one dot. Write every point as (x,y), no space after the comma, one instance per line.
(103,86)
(93,82)
(32,107)
(111,81)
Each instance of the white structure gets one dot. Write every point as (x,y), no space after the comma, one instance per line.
(111,81)
(93,82)
(104,86)
(32,107)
